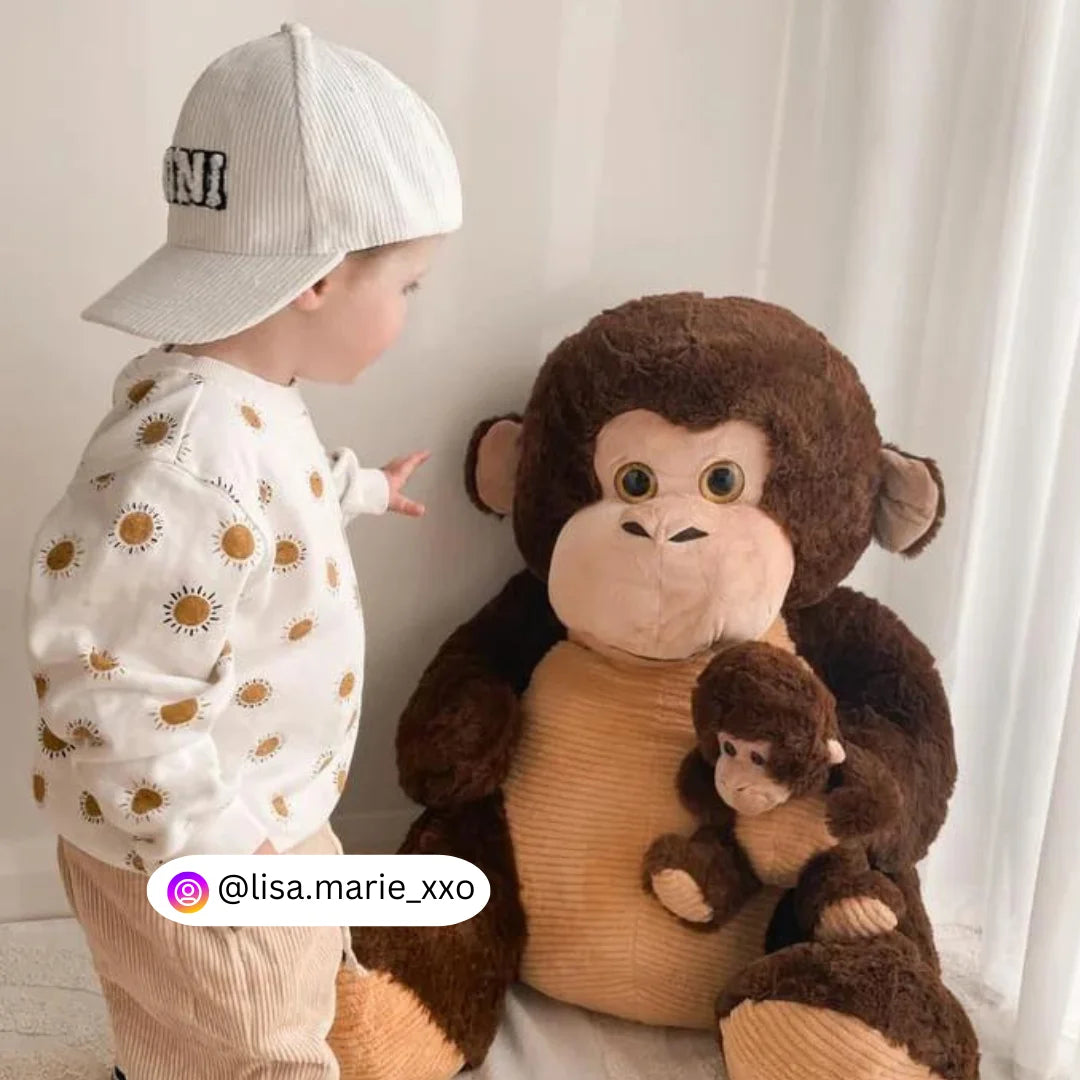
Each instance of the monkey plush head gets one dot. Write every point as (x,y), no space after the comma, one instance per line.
(769,729)
(686,468)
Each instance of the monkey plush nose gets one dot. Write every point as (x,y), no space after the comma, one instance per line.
(635,528)
(686,535)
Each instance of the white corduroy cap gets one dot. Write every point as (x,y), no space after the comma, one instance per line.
(289,153)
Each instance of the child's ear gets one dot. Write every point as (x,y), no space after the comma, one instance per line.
(910,502)
(837,753)
(491,464)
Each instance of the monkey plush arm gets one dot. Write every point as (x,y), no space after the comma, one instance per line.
(839,897)
(867,799)
(703,879)
(458,732)
(697,792)
(891,704)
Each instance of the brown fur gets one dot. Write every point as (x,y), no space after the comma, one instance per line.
(891,704)
(761,693)
(714,861)
(696,362)
(461,972)
(840,874)
(457,735)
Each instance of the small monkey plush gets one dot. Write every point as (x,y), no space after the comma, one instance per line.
(782,802)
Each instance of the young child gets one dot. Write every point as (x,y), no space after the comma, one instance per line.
(194,621)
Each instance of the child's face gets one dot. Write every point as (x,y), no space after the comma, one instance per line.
(358,310)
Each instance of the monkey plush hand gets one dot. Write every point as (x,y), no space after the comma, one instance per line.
(782,802)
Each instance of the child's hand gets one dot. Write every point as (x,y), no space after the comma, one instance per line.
(398,472)
(265,848)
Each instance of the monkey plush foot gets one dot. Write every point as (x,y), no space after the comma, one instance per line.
(681,895)
(383,1032)
(869,1010)
(855,917)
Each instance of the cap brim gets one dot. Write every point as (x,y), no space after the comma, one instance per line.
(186,295)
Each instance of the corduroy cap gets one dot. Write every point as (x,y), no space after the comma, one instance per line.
(290,152)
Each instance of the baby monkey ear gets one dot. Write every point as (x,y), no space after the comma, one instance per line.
(837,754)
(910,502)
(491,464)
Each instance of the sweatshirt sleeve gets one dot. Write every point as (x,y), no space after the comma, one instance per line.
(137,580)
(360,490)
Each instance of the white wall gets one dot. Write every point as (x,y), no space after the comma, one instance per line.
(607,149)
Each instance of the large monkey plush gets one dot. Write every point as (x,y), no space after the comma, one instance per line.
(689,473)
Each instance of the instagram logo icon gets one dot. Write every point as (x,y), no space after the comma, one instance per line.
(188,892)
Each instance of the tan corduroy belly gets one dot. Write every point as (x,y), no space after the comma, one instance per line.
(593,784)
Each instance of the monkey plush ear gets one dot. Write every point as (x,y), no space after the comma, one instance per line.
(837,753)
(910,504)
(491,464)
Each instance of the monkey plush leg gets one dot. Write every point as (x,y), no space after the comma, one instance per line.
(431,997)
(861,1010)
(703,879)
(840,898)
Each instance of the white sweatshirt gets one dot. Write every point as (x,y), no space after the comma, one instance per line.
(194,621)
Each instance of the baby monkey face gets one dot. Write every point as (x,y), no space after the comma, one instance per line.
(743,779)
(746,771)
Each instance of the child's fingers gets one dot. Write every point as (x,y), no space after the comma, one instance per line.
(412,462)
(408,507)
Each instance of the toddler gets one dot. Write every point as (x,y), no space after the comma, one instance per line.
(194,621)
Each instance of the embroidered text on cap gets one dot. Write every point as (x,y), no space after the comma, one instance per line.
(194,177)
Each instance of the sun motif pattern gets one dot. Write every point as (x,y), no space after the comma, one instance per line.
(253,693)
(157,429)
(192,610)
(300,627)
(266,748)
(236,543)
(101,664)
(289,553)
(85,734)
(144,800)
(52,746)
(188,600)
(139,391)
(90,809)
(137,528)
(177,715)
(60,558)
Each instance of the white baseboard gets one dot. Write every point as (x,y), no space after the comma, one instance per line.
(30,886)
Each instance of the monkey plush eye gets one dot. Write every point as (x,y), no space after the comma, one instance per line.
(635,482)
(756,758)
(728,748)
(722,482)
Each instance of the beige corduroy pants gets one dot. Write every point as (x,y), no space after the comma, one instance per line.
(207,1002)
